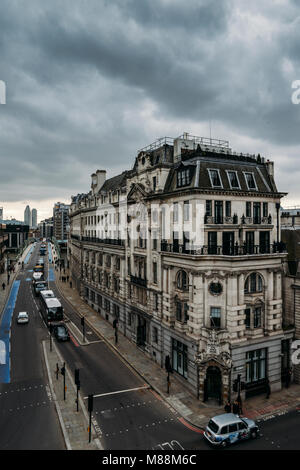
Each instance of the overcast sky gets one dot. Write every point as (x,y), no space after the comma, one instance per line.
(90,82)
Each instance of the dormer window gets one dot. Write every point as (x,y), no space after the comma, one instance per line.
(250,180)
(215,178)
(183,177)
(233,179)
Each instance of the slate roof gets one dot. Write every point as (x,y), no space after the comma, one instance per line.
(221,162)
(116,182)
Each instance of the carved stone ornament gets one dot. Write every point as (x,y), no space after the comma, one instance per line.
(213,352)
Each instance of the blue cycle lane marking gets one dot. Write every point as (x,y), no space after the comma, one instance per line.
(28,255)
(5,327)
(51,270)
(50,253)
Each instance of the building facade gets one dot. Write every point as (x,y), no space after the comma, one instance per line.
(3,242)
(46,228)
(184,251)
(34,218)
(60,221)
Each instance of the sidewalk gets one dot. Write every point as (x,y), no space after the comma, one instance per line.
(4,294)
(74,425)
(188,407)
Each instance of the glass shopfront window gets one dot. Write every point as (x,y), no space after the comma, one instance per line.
(179,356)
(256,365)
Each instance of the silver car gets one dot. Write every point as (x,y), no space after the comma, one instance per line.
(228,428)
(22,317)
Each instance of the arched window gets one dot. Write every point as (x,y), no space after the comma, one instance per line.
(253,283)
(182,280)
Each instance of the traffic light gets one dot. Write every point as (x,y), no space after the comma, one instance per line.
(235,385)
(115,323)
(82,321)
(63,370)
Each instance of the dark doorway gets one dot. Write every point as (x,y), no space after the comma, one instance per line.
(285,359)
(213,384)
(141,331)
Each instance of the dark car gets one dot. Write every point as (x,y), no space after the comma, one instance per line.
(61,333)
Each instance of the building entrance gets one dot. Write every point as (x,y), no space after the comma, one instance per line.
(213,384)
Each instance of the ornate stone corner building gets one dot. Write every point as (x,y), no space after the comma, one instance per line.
(184,251)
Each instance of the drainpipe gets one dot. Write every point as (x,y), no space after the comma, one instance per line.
(277,210)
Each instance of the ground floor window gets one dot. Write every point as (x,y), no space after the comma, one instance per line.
(179,355)
(116,310)
(155,334)
(256,365)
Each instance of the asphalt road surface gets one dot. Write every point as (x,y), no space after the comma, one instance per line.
(28,418)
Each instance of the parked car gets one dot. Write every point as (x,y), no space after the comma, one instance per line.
(61,332)
(22,317)
(228,428)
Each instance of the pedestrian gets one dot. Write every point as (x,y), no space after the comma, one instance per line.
(268,389)
(227,407)
(239,400)
(235,407)
(3,285)
(288,378)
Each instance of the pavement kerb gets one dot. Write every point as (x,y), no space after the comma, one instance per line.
(57,407)
(116,350)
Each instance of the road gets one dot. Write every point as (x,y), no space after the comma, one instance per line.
(25,399)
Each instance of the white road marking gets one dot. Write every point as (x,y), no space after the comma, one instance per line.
(119,391)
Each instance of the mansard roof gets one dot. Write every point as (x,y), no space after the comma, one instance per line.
(200,163)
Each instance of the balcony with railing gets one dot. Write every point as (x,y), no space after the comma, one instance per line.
(235,220)
(224,250)
(105,241)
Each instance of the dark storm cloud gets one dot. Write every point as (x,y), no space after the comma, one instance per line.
(89,82)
